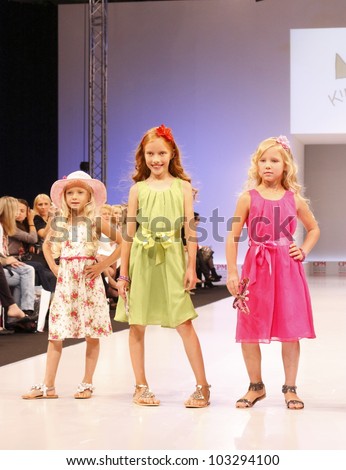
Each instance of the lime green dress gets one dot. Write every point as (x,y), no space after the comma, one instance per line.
(157,261)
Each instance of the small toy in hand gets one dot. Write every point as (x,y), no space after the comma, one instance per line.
(242,296)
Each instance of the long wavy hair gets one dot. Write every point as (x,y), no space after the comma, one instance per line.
(175,167)
(8,214)
(289,177)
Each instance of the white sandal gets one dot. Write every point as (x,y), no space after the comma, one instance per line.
(83,387)
(38,392)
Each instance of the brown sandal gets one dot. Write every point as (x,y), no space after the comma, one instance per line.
(253,387)
(202,401)
(292,389)
(143,396)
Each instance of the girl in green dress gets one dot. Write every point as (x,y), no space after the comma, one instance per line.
(155,278)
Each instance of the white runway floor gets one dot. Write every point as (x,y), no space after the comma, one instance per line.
(110,422)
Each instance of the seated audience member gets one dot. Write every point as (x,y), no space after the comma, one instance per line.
(117,214)
(44,213)
(106,248)
(21,245)
(204,262)
(207,254)
(13,314)
(20,276)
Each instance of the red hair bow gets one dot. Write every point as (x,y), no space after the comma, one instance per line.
(165,132)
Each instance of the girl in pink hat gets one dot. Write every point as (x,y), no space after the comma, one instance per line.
(79,308)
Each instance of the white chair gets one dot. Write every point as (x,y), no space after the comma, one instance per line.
(44,303)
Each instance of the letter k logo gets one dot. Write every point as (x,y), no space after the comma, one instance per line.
(340,67)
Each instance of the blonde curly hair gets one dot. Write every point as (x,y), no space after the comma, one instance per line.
(290,175)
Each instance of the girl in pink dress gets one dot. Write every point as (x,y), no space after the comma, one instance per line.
(279,302)
(79,308)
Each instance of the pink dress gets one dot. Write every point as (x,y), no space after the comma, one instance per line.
(279,299)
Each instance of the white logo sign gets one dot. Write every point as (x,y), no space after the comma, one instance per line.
(318,81)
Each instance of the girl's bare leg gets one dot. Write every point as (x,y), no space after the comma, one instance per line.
(91,358)
(253,362)
(290,359)
(53,358)
(194,354)
(142,395)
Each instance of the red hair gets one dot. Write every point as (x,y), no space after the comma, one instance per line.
(175,168)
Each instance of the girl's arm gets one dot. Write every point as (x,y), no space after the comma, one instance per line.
(240,216)
(96,269)
(46,247)
(190,278)
(105,228)
(310,224)
(128,234)
(130,231)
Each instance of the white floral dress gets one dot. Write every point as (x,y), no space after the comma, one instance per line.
(79,308)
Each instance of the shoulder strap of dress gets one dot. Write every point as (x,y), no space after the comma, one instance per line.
(140,185)
(179,182)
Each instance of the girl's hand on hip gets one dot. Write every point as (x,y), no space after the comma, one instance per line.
(295,252)
(93,271)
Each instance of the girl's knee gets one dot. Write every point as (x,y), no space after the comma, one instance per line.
(92,341)
(290,344)
(137,330)
(55,344)
(185,327)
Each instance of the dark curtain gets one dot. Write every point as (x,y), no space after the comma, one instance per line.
(28,98)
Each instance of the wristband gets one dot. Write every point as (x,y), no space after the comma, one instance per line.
(303,254)
(124,278)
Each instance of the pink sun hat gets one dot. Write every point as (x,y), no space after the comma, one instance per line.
(79,179)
